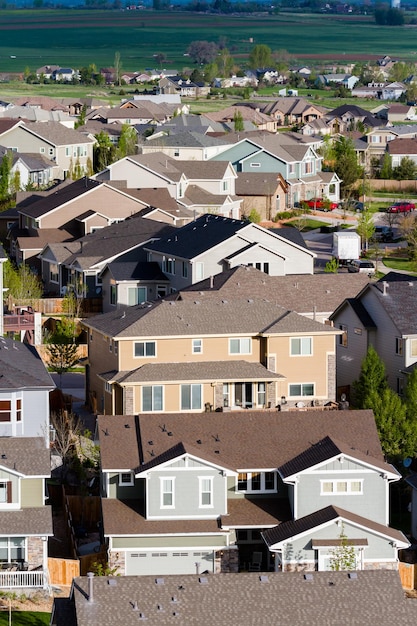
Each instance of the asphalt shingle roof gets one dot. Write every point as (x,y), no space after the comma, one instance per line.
(25,455)
(21,367)
(30,521)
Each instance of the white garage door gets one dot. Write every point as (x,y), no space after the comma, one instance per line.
(159,563)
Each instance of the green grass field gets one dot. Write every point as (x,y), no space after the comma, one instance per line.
(25,618)
(30,38)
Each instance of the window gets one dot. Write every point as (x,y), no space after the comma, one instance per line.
(152,398)
(18,410)
(5,491)
(255,165)
(343,339)
(261,394)
(301,346)
(126,479)
(308,167)
(341,487)
(176,152)
(113,294)
(145,348)
(53,273)
(257,481)
(5,410)
(42,150)
(240,346)
(107,387)
(116,348)
(225,185)
(161,291)
(167,493)
(400,386)
(12,549)
(185,269)
(68,151)
(226,394)
(304,389)
(190,397)
(398,346)
(136,295)
(413,348)
(291,168)
(197,346)
(206,492)
(168,265)
(199,271)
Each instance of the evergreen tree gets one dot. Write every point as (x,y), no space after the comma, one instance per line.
(5,169)
(346,164)
(238,122)
(371,378)
(386,167)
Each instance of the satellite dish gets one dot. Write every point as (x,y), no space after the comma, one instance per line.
(407,461)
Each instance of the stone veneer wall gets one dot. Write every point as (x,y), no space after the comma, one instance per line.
(117,561)
(331,377)
(218,396)
(34,555)
(229,561)
(128,400)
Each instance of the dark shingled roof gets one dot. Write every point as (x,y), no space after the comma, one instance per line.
(21,367)
(132,270)
(26,455)
(30,521)
(247,599)
(56,198)
(292,528)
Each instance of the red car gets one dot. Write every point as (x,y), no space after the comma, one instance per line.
(401,207)
(321,205)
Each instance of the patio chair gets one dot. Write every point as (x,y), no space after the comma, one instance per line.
(255,564)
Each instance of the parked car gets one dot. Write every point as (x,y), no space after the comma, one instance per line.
(351,205)
(401,207)
(364,267)
(321,204)
(383,233)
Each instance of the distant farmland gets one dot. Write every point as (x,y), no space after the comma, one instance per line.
(30,38)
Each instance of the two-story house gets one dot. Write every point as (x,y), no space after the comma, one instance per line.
(381,315)
(244,491)
(296,161)
(211,244)
(197,185)
(64,147)
(171,356)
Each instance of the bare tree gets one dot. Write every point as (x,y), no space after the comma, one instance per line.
(66,433)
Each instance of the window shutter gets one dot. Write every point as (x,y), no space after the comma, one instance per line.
(9,492)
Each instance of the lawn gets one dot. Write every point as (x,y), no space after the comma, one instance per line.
(399,263)
(77,37)
(25,618)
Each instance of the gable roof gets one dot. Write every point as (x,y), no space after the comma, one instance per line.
(56,198)
(399,299)
(292,528)
(57,134)
(21,367)
(27,456)
(243,439)
(249,598)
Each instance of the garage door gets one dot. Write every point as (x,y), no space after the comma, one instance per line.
(159,563)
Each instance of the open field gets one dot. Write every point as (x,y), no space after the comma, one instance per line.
(30,38)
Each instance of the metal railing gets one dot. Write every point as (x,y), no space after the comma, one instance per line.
(15,580)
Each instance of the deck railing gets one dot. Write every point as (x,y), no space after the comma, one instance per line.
(15,580)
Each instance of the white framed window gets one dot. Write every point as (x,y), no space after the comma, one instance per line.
(242,345)
(261,399)
(167,492)
(257,482)
(301,346)
(5,410)
(225,185)
(190,397)
(13,549)
(107,387)
(5,491)
(197,346)
(53,273)
(205,492)
(168,265)
(291,168)
(299,390)
(136,295)
(226,394)
(68,151)
(343,339)
(126,479)
(152,398)
(413,348)
(42,150)
(185,269)
(144,349)
(341,487)
(113,294)
(255,165)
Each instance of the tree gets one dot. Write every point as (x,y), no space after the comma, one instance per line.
(386,167)
(366,227)
(160,58)
(202,52)
(406,170)
(371,378)
(260,56)
(346,164)
(408,230)
(238,122)
(62,349)
(21,283)
(211,71)
(225,62)
(5,169)
(117,68)
(254,216)
(331,266)
(343,556)
(104,151)
(127,141)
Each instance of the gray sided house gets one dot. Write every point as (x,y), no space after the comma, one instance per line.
(212,244)
(254,491)
(382,315)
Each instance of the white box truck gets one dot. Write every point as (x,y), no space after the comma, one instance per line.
(346,246)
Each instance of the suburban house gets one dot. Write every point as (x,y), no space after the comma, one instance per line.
(211,244)
(246,113)
(315,296)
(292,110)
(188,145)
(395,112)
(196,599)
(183,87)
(263,192)
(234,353)
(196,185)
(208,493)
(71,211)
(79,263)
(399,149)
(25,520)
(295,159)
(346,80)
(381,315)
(380,91)
(64,147)
(29,170)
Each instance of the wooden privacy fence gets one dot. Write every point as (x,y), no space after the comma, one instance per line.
(85,511)
(62,571)
(408,575)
